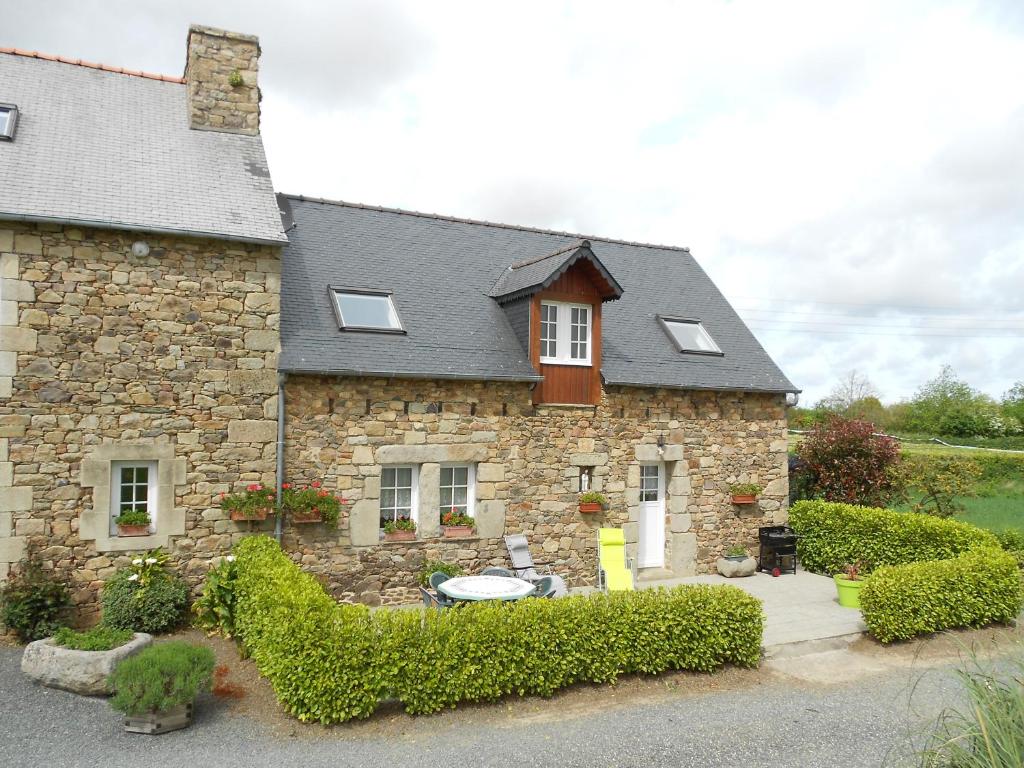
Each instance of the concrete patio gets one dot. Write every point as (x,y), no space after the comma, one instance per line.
(801,609)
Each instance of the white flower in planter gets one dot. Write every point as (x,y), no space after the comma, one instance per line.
(230,558)
(137,561)
(150,560)
(133,577)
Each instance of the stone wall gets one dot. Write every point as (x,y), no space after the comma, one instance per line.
(170,357)
(340,431)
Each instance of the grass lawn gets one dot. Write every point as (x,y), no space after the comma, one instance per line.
(996,513)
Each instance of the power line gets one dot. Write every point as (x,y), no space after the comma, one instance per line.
(828,323)
(909,332)
(800,300)
(907,315)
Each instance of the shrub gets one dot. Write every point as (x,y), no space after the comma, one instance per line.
(133,517)
(154,607)
(832,535)
(941,479)
(215,608)
(161,677)
(977,588)
(846,462)
(1013,542)
(33,602)
(96,639)
(331,662)
(433,566)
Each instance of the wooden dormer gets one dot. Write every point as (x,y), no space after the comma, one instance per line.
(561,293)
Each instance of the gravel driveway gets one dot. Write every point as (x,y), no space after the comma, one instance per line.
(769,717)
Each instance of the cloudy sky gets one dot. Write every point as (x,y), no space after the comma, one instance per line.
(850,174)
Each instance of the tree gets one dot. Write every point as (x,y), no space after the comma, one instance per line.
(852,389)
(941,479)
(947,405)
(1013,404)
(845,460)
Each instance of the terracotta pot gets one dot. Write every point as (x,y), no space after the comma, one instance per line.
(400,536)
(743,499)
(590,507)
(239,516)
(457,531)
(311,517)
(133,530)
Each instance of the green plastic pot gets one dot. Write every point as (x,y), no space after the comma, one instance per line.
(849,591)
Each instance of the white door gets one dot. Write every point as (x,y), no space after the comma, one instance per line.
(652,516)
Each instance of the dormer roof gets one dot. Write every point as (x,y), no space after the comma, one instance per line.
(528,276)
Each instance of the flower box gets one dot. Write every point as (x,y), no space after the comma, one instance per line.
(457,531)
(133,530)
(400,536)
(590,507)
(306,517)
(240,517)
(743,498)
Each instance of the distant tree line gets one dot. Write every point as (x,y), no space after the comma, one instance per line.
(944,406)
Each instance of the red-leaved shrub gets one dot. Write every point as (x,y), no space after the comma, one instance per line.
(845,461)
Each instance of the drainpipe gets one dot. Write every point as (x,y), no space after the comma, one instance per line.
(280,455)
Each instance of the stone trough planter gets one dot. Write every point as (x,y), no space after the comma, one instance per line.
(732,568)
(83,672)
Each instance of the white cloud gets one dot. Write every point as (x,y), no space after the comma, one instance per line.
(832,159)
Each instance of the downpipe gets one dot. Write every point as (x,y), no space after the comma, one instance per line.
(278,521)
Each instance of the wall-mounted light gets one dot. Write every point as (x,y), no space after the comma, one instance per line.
(140,249)
(792,399)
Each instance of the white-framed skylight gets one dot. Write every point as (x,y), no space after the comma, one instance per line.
(689,335)
(366,310)
(8,121)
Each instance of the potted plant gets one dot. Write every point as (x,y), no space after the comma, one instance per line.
(849,582)
(133,522)
(255,503)
(592,501)
(744,493)
(736,553)
(402,529)
(311,504)
(156,688)
(457,525)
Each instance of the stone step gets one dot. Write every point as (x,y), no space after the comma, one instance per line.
(654,574)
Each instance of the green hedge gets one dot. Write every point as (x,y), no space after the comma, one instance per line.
(832,535)
(977,588)
(331,662)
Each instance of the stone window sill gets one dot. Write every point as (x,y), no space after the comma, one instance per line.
(428,540)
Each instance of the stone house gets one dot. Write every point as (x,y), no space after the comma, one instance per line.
(171,330)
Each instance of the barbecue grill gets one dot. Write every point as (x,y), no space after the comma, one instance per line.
(778,548)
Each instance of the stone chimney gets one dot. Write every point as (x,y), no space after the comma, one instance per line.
(220,73)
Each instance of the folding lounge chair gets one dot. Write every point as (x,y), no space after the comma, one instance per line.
(614,569)
(524,567)
(495,571)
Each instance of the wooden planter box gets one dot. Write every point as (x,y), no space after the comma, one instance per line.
(160,722)
(239,516)
(310,518)
(400,536)
(744,499)
(590,507)
(133,530)
(457,531)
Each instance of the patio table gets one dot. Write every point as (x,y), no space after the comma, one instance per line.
(485,588)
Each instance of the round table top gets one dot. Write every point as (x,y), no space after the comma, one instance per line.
(485,588)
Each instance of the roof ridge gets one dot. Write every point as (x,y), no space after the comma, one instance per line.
(536,259)
(91,65)
(482,222)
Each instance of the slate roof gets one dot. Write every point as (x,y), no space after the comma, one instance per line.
(442,272)
(108,148)
(526,277)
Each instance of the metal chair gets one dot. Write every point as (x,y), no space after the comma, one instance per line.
(545,587)
(429,599)
(437,578)
(496,571)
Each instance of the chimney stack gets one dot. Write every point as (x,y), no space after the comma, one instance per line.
(220,72)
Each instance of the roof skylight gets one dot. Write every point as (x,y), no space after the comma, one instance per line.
(365,310)
(8,120)
(689,335)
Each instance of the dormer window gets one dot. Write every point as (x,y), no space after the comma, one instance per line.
(565,333)
(366,310)
(689,335)
(8,120)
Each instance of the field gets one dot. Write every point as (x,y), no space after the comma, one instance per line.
(998,500)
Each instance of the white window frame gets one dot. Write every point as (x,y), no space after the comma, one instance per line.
(414,496)
(667,323)
(10,123)
(337,292)
(563,334)
(470,489)
(116,490)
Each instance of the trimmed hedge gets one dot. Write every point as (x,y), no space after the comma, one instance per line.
(977,588)
(832,535)
(331,662)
